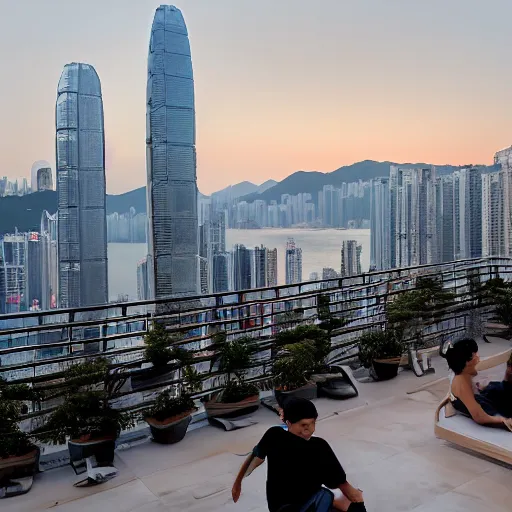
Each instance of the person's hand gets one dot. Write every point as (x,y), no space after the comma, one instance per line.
(354,495)
(508,423)
(236,490)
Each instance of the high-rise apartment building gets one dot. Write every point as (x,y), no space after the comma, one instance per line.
(49,261)
(34,267)
(80,147)
(493,232)
(260,262)
(241,268)
(171,158)
(350,258)
(39,176)
(467,217)
(220,272)
(13,273)
(142,280)
(264,269)
(293,262)
(445,218)
(44,179)
(272,267)
(412,216)
(503,159)
(380,234)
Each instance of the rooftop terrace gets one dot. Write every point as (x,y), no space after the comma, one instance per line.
(384,438)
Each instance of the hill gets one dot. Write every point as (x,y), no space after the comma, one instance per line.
(25,212)
(226,195)
(313,181)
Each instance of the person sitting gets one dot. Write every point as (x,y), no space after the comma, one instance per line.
(299,465)
(487,403)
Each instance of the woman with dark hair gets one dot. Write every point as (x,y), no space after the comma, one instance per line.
(487,403)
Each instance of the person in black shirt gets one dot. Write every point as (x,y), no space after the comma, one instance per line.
(301,468)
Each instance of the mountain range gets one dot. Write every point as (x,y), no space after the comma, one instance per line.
(25,212)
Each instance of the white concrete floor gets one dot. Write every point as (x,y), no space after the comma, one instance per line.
(384,439)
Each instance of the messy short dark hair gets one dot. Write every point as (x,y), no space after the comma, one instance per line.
(296,409)
(459,353)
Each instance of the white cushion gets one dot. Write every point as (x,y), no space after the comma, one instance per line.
(467,427)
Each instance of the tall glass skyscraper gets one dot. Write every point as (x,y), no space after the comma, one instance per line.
(171,159)
(80,148)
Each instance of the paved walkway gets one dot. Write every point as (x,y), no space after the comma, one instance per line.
(384,440)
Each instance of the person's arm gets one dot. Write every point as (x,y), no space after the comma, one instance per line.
(467,397)
(249,465)
(255,459)
(336,478)
(351,493)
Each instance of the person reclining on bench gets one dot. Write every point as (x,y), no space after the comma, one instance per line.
(486,403)
(299,465)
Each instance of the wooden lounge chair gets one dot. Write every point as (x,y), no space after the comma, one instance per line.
(463,431)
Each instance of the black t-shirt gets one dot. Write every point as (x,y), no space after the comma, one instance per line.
(297,468)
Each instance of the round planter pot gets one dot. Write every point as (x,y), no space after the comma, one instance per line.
(308,391)
(19,467)
(386,369)
(171,430)
(102,449)
(215,409)
(335,383)
(148,377)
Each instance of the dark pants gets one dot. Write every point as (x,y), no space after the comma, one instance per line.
(499,394)
(322,502)
(495,400)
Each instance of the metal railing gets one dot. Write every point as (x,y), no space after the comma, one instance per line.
(37,347)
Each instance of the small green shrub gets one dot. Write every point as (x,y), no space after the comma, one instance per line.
(379,344)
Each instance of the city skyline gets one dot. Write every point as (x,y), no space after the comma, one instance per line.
(234,88)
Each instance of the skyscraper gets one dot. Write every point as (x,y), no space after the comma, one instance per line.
(380,243)
(493,233)
(272,267)
(44,179)
(220,272)
(49,261)
(350,258)
(80,148)
(293,262)
(34,174)
(171,158)
(242,268)
(467,194)
(260,267)
(445,218)
(412,216)
(142,279)
(13,274)
(503,158)
(33,269)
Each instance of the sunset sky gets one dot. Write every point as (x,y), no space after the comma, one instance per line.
(281,85)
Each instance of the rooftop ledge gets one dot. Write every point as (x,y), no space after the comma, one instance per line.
(384,438)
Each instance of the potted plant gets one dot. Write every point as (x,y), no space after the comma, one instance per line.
(292,370)
(85,417)
(502,299)
(381,351)
(411,311)
(172,411)
(238,397)
(158,351)
(19,457)
(298,371)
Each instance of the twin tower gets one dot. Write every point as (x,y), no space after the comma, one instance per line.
(171,172)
